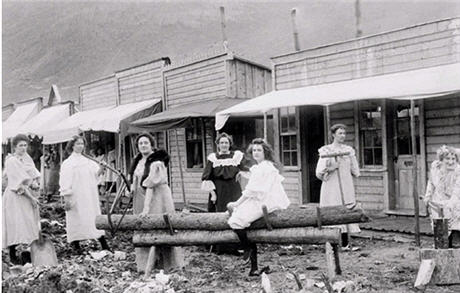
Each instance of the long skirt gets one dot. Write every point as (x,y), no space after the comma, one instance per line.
(166,257)
(20,219)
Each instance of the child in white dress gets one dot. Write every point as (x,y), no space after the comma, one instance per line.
(264,188)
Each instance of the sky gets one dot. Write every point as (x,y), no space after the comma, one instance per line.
(68,43)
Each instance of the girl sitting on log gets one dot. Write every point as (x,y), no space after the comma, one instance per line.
(443,189)
(152,195)
(264,188)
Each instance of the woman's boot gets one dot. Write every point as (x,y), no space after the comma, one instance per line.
(254,268)
(104,244)
(247,246)
(13,256)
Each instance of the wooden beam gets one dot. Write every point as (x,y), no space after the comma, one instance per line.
(307,235)
(414,172)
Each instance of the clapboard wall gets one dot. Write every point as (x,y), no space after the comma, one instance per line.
(442,124)
(420,46)
(98,94)
(213,77)
(141,83)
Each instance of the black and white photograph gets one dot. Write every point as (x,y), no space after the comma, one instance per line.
(261,146)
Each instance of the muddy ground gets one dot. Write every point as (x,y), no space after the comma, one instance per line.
(387,265)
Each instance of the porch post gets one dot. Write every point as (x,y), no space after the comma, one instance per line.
(414,172)
(265,126)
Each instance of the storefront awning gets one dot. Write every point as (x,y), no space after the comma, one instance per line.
(180,116)
(45,119)
(109,119)
(414,84)
(21,114)
(71,126)
(117,119)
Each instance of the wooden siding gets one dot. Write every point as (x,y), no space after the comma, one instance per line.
(292,186)
(407,49)
(203,80)
(140,83)
(442,124)
(245,80)
(98,94)
(344,113)
(370,190)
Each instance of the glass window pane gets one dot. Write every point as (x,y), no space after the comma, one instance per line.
(377,138)
(285,143)
(378,156)
(284,124)
(286,159)
(294,158)
(367,138)
(293,142)
(292,121)
(368,158)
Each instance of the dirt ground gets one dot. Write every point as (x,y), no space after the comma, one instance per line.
(387,265)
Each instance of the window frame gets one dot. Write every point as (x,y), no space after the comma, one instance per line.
(289,133)
(365,105)
(196,123)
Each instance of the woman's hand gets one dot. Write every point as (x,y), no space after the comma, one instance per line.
(232,205)
(213,196)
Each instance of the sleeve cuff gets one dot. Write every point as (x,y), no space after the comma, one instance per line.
(208,185)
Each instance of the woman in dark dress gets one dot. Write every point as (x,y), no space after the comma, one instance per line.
(220,178)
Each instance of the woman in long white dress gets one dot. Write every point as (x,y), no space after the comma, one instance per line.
(78,182)
(264,188)
(20,209)
(336,174)
(152,195)
(443,189)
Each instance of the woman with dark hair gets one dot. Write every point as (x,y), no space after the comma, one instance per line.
(20,208)
(264,188)
(152,195)
(443,189)
(338,189)
(78,182)
(220,174)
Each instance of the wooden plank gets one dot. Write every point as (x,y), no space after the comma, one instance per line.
(212,88)
(194,65)
(342,106)
(342,114)
(192,75)
(441,103)
(443,130)
(442,113)
(230,80)
(199,86)
(370,198)
(450,121)
(368,182)
(241,79)
(444,139)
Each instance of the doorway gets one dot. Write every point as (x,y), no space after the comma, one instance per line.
(403,164)
(311,139)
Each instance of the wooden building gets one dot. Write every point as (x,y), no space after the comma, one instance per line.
(377,129)
(217,78)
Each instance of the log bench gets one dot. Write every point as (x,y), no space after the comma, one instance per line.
(291,226)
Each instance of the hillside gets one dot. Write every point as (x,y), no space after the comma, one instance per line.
(68,43)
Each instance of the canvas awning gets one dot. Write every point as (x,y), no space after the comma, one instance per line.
(180,116)
(21,114)
(71,126)
(413,84)
(117,119)
(45,119)
(109,119)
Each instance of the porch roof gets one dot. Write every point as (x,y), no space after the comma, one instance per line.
(181,116)
(413,84)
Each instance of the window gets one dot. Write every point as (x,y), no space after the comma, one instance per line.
(194,144)
(288,136)
(370,122)
(403,134)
